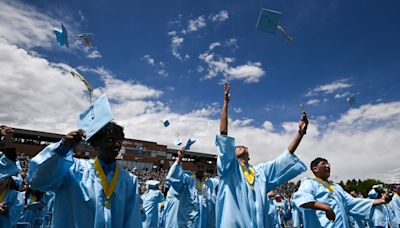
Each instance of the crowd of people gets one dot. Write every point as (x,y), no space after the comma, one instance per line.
(54,189)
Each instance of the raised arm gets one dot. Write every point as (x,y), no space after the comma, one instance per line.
(303,124)
(56,158)
(176,176)
(224,113)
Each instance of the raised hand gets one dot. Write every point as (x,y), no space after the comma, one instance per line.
(181,152)
(73,138)
(227,95)
(303,124)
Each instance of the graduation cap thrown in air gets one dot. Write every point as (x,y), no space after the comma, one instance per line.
(166,123)
(62,37)
(178,142)
(351,100)
(189,143)
(268,21)
(86,39)
(95,117)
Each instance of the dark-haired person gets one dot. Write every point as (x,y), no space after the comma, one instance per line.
(326,204)
(88,193)
(242,199)
(11,200)
(395,206)
(193,196)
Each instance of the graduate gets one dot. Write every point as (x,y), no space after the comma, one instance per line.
(381,215)
(326,204)
(11,200)
(151,199)
(191,198)
(88,193)
(35,208)
(395,206)
(280,207)
(242,193)
(162,206)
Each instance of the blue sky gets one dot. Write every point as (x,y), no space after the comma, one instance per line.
(167,59)
(335,41)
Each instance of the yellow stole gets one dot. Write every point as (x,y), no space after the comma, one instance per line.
(3,194)
(249,174)
(108,189)
(327,184)
(198,183)
(33,198)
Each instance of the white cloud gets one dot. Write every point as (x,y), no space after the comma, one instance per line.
(149,59)
(250,72)
(25,26)
(176,43)
(196,24)
(341,95)
(237,110)
(94,55)
(220,16)
(267,125)
(163,72)
(330,88)
(159,68)
(232,43)
(214,45)
(313,102)
(123,91)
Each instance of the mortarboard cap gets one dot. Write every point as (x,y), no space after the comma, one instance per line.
(372,194)
(268,20)
(178,142)
(95,117)
(152,184)
(189,143)
(7,167)
(166,123)
(62,37)
(351,100)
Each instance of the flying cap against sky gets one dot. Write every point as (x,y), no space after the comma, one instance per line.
(95,117)
(62,37)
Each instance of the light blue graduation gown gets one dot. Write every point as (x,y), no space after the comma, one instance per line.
(15,201)
(151,199)
(79,196)
(380,216)
(36,214)
(280,212)
(342,203)
(297,216)
(395,207)
(191,207)
(237,204)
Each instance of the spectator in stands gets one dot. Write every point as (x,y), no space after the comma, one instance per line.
(88,193)
(242,192)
